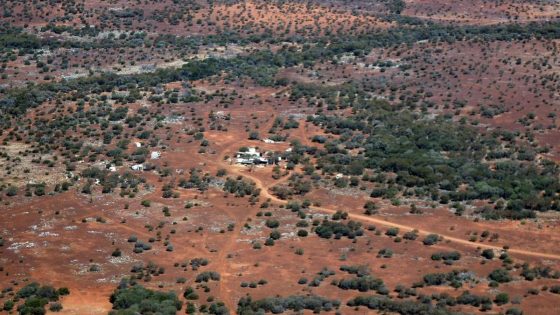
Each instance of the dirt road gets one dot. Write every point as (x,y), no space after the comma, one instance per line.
(371,219)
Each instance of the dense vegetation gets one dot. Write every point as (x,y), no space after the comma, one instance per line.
(432,158)
(139,300)
(385,304)
(33,298)
(263,65)
(350,229)
(276,305)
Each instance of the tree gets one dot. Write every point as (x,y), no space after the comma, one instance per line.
(500,275)
(191,308)
(392,231)
(11,191)
(55,307)
(514,311)
(275,235)
(430,239)
(254,135)
(411,235)
(8,305)
(414,209)
(190,294)
(271,223)
(488,253)
(501,298)
(137,299)
(370,208)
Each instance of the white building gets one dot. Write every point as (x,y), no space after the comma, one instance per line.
(137,167)
(249,157)
(155,155)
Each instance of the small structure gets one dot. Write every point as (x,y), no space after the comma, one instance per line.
(112,168)
(250,157)
(137,167)
(220,115)
(138,144)
(155,155)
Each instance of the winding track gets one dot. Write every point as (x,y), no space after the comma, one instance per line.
(370,219)
(222,262)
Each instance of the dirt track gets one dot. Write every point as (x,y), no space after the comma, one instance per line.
(371,219)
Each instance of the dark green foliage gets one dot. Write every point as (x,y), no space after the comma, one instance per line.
(359,270)
(55,307)
(275,235)
(500,276)
(207,276)
(385,304)
(370,208)
(191,308)
(501,298)
(321,276)
(11,191)
(190,294)
(197,262)
(328,228)
(362,284)
(538,272)
(218,308)
(241,187)
(109,181)
(392,231)
(453,255)
(407,144)
(34,289)
(63,291)
(555,289)
(139,300)
(488,253)
(466,298)
(385,253)
(277,305)
(272,223)
(514,311)
(430,239)
(396,6)
(36,297)
(15,38)
(410,235)
(454,278)
(196,180)
(8,305)
(33,306)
